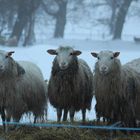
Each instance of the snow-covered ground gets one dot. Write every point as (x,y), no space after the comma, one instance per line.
(38,55)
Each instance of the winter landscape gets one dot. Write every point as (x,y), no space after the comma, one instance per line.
(128,51)
(31,27)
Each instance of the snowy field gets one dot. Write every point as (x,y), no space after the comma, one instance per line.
(38,55)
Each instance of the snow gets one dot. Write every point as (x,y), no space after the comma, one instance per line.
(82,22)
(38,55)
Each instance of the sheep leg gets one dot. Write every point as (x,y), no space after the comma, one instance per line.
(59,114)
(65,114)
(35,118)
(83,115)
(72,112)
(8,118)
(16,119)
(3,118)
(104,120)
(98,117)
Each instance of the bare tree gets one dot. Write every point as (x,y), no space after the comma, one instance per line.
(59,12)
(29,31)
(25,12)
(7,11)
(60,18)
(113,4)
(120,18)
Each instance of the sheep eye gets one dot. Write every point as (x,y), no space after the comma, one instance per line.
(6,56)
(98,58)
(111,57)
(71,53)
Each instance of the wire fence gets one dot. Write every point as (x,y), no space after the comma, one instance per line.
(49,125)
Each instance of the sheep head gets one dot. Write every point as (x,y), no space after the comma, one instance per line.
(106,61)
(8,66)
(64,56)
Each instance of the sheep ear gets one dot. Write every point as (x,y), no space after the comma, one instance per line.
(76,52)
(52,52)
(94,54)
(116,54)
(9,53)
(20,70)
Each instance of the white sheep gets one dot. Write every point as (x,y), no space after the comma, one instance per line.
(116,88)
(70,87)
(22,88)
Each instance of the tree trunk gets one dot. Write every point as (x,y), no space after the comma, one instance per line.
(29,33)
(60,19)
(113,5)
(120,18)
(26,9)
(21,21)
(112,22)
(10,20)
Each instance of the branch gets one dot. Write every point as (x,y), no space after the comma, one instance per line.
(44,6)
(104,21)
(98,4)
(60,1)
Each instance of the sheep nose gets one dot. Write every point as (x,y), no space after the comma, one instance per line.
(63,65)
(104,69)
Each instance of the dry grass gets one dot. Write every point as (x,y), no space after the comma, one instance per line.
(35,133)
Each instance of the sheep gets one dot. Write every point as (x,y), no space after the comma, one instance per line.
(22,88)
(116,88)
(135,64)
(70,87)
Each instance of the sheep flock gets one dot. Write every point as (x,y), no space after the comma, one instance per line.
(71,87)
